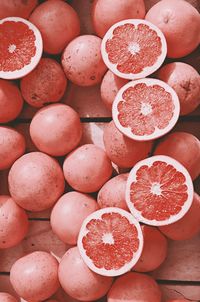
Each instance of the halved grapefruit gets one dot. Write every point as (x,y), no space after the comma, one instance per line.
(133,48)
(110,241)
(21,47)
(145,109)
(159,190)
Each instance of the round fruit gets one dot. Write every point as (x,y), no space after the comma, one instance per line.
(13,223)
(133,49)
(110,85)
(21,47)
(122,150)
(134,287)
(178,300)
(45,84)
(78,280)
(180,23)
(5,297)
(87,168)
(36,181)
(12,146)
(69,213)
(104,237)
(145,109)
(185,80)
(112,194)
(34,277)
(105,14)
(154,251)
(56,129)
(17,8)
(183,147)
(11,101)
(159,190)
(58,23)
(82,61)
(188,226)
(150,3)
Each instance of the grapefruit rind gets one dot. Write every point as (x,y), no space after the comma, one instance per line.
(148,70)
(11,75)
(158,132)
(83,231)
(148,162)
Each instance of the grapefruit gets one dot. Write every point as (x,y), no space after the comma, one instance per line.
(178,300)
(159,190)
(17,8)
(133,48)
(21,47)
(5,297)
(145,109)
(110,241)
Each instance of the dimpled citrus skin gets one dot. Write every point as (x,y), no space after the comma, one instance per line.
(180,23)
(78,280)
(35,276)
(13,222)
(69,213)
(183,147)
(17,8)
(11,101)
(58,23)
(56,129)
(87,168)
(82,61)
(185,80)
(150,3)
(122,150)
(105,14)
(36,181)
(12,146)
(5,297)
(45,84)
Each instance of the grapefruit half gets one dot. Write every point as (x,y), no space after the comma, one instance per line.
(110,241)
(145,109)
(159,191)
(133,48)
(21,47)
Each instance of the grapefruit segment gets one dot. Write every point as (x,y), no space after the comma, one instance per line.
(110,241)
(133,48)
(20,47)
(145,109)
(159,191)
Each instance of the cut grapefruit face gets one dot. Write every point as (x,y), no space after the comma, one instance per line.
(110,241)
(21,47)
(145,109)
(133,48)
(159,191)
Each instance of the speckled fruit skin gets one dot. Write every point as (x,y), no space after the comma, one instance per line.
(183,147)
(56,129)
(105,13)
(36,181)
(82,61)
(35,276)
(134,287)
(12,146)
(58,23)
(112,194)
(11,101)
(188,226)
(78,280)
(17,8)
(87,168)
(5,297)
(180,23)
(123,151)
(13,223)
(154,250)
(185,80)
(178,300)
(150,3)
(45,84)
(69,213)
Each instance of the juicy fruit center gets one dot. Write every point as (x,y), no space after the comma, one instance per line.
(107,238)
(134,48)
(156,189)
(11,48)
(146,108)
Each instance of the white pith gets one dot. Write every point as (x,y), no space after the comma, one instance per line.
(134,48)
(146,109)
(11,48)
(108,238)
(156,189)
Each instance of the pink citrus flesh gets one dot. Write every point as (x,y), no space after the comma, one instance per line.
(133,48)
(145,109)
(159,191)
(110,241)
(21,47)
